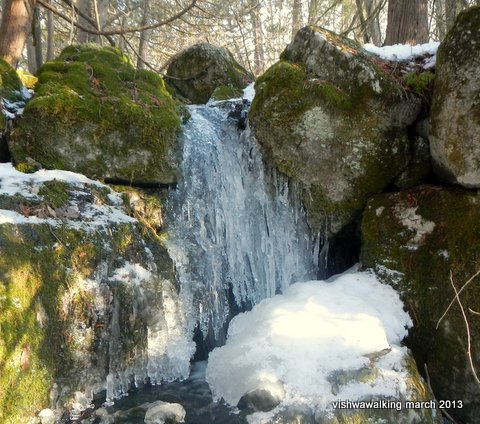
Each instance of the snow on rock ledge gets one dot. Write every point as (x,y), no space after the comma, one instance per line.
(323,341)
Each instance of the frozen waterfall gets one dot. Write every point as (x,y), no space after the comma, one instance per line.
(237,231)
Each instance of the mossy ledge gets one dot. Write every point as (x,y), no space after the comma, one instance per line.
(95,114)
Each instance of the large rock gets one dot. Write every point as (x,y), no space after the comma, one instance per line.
(455,114)
(198,71)
(329,117)
(94,113)
(83,288)
(413,240)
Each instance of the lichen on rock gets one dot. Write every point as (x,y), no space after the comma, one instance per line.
(199,70)
(94,113)
(329,117)
(414,240)
(455,114)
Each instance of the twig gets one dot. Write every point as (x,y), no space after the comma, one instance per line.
(453,300)
(469,341)
(106,32)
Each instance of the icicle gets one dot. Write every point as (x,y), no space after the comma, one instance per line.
(244,228)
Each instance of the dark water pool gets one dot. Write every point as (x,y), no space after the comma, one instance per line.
(193,394)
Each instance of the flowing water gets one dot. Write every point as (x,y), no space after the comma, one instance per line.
(237,235)
(237,231)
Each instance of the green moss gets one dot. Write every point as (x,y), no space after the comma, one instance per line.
(55,193)
(92,104)
(31,273)
(10,84)
(225,92)
(420,82)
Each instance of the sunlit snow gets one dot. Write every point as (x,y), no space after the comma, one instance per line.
(13,182)
(314,329)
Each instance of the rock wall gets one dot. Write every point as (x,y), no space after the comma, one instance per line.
(423,242)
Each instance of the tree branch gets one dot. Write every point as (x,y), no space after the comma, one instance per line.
(124,30)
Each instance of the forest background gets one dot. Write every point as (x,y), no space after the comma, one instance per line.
(151,32)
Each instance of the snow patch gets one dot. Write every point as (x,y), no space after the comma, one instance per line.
(314,330)
(132,272)
(77,214)
(249,92)
(401,52)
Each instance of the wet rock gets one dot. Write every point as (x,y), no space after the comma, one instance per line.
(419,165)
(92,287)
(165,413)
(263,398)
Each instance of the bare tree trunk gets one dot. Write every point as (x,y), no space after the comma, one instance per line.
(37,37)
(440,19)
(373,23)
(363,22)
(406,22)
(312,12)
(422,22)
(84,6)
(296,16)
(50,37)
(31,55)
(143,44)
(259,56)
(450,12)
(102,8)
(16,21)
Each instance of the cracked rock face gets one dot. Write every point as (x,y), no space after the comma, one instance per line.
(455,115)
(329,117)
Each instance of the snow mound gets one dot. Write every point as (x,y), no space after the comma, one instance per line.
(314,332)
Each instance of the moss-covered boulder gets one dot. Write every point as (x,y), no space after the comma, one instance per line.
(455,114)
(329,117)
(95,114)
(416,241)
(10,85)
(199,70)
(12,98)
(88,300)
